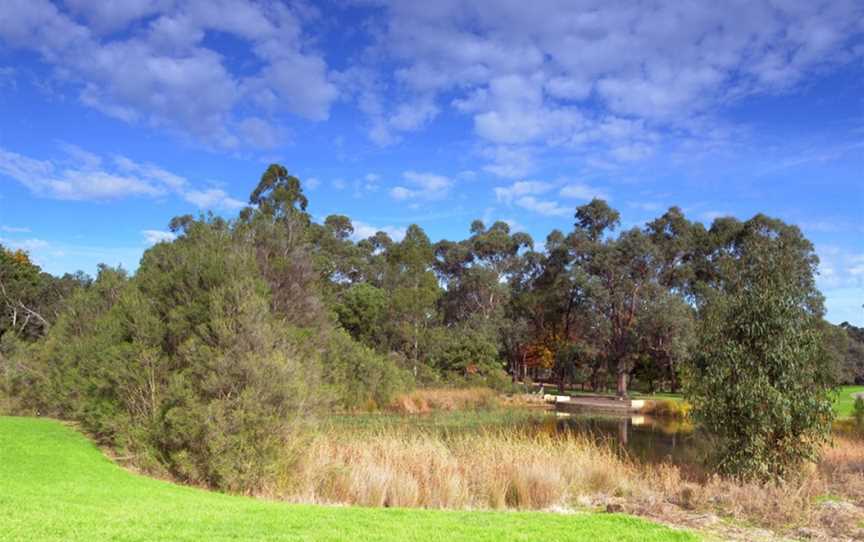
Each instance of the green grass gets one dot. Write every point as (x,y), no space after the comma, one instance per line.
(56,485)
(844,400)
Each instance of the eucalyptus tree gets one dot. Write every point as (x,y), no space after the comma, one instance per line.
(666,338)
(476,271)
(621,274)
(676,239)
(414,290)
(278,226)
(759,379)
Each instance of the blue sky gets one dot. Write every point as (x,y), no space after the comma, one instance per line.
(117,115)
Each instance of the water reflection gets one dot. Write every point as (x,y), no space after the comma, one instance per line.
(643,437)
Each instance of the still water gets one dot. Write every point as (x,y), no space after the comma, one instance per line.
(644,438)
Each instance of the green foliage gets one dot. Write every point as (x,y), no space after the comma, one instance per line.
(184,366)
(759,381)
(362,311)
(201,362)
(31,300)
(466,354)
(358,377)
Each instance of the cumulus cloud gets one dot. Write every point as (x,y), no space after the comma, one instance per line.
(509,161)
(363,230)
(543,207)
(507,194)
(212,198)
(82,175)
(582,191)
(426,186)
(840,267)
(524,194)
(151,237)
(80,182)
(149,61)
(611,78)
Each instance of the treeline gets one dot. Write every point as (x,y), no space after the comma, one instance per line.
(201,363)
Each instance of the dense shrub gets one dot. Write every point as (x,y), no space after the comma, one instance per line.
(760,385)
(190,368)
(355,376)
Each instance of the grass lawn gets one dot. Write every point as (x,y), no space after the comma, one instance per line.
(844,400)
(56,485)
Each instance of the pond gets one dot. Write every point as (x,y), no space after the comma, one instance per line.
(644,438)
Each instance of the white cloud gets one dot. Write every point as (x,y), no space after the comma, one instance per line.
(212,198)
(543,207)
(840,267)
(87,176)
(74,183)
(362,230)
(14,229)
(507,194)
(151,237)
(427,186)
(582,191)
(649,206)
(559,73)
(149,61)
(312,183)
(508,161)
(260,133)
(27,245)
(515,225)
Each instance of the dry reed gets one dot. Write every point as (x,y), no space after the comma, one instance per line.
(446,399)
(491,469)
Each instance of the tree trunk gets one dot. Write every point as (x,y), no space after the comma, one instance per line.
(622,383)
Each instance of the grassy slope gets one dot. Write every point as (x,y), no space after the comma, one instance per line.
(55,485)
(843,402)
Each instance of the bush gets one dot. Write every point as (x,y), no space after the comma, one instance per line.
(466,356)
(758,383)
(355,376)
(184,367)
(193,367)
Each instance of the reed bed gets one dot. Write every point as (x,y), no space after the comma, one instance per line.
(444,399)
(395,467)
(478,470)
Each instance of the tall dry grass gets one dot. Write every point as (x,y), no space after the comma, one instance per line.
(497,470)
(447,399)
(487,470)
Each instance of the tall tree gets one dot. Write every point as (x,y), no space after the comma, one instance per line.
(759,380)
(415,291)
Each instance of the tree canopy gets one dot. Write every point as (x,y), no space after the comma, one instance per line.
(197,362)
